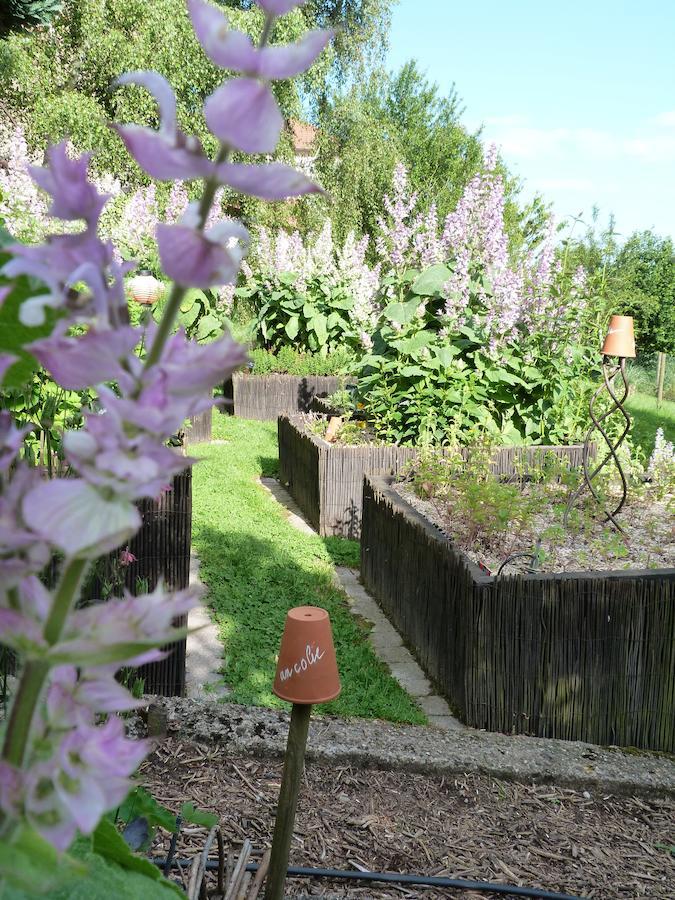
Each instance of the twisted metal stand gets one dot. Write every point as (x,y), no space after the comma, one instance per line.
(609,378)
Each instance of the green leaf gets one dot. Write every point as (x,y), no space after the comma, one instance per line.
(288,278)
(318,326)
(29,863)
(415,343)
(446,354)
(309,311)
(292,327)
(402,313)
(209,326)
(189,813)
(140,802)
(14,336)
(430,282)
(109,844)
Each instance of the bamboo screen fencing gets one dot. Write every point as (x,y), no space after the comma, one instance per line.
(162,551)
(580,656)
(326,480)
(265,397)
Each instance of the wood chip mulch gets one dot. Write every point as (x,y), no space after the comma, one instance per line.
(468,827)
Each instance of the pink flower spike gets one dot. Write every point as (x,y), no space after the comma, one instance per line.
(126,557)
(77,362)
(279,7)
(244,114)
(163,93)
(167,154)
(289,60)
(65,180)
(74,517)
(269,181)
(197,259)
(167,159)
(224,46)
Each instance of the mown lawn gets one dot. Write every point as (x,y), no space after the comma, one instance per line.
(257,566)
(647,418)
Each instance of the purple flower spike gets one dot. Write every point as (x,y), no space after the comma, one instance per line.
(65,180)
(244,114)
(279,7)
(231,49)
(269,181)
(163,93)
(76,363)
(78,520)
(167,154)
(197,259)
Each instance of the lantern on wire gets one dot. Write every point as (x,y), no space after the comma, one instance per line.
(619,346)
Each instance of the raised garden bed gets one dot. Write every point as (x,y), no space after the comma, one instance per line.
(266,397)
(326,480)
(580,656)
(200,429)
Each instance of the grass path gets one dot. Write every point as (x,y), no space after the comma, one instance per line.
(257,566)
(647,417)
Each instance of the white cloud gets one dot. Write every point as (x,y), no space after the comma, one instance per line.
(520,139)
(665,119)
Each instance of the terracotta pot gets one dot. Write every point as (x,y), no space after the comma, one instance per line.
(307,669)
(145,288)
(620,340)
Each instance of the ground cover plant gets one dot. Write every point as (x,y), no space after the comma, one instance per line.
(257,566)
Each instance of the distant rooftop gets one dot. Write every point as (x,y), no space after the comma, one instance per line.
(304,136)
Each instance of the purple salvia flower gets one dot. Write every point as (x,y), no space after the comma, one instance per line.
(234,50)
(65,180)
(244,114)
(169,153)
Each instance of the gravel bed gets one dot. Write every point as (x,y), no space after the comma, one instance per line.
(648,520)
(584,843)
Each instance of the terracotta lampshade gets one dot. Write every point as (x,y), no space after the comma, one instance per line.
(620,340)
(307,669)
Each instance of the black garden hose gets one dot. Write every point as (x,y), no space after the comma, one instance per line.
(395,878)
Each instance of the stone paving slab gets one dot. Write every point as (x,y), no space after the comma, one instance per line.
(204,650)
(256,731)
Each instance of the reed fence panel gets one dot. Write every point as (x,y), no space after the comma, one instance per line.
(266,397)
(579,656)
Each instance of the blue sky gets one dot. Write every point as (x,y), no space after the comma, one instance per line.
(579,96)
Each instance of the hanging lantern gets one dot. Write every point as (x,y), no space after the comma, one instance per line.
(145,288)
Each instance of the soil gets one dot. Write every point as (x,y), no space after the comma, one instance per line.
(469,827)
(647,520)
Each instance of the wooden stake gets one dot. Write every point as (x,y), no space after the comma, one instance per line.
(660,378)
(288,800)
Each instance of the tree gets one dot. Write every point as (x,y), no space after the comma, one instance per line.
(402,117)
(643,284)
(57,82)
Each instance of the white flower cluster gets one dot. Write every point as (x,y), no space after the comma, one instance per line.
(661,467)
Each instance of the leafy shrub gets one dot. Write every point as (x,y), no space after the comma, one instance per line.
(311,296)
(470,342)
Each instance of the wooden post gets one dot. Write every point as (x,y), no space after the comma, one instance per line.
(288,800)
(660,378)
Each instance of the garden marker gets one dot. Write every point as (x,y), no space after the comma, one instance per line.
(306,674)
